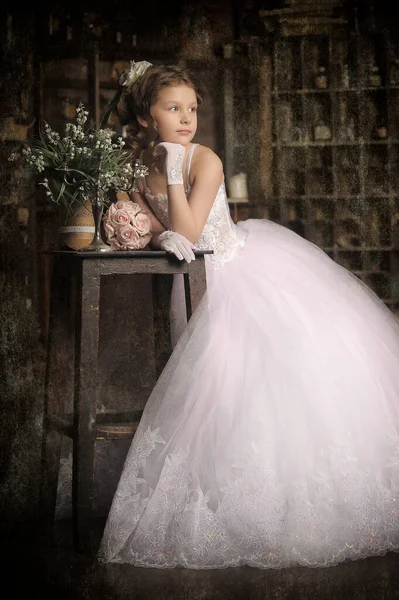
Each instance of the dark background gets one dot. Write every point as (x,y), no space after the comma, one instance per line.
(30,566)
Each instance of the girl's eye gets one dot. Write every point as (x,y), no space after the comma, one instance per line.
(193,109)
(173,108)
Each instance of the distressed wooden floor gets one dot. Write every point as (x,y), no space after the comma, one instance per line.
(35,570)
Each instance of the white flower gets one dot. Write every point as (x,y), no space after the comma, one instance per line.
(52,136)
(81,162)
(82,114)
(137,69)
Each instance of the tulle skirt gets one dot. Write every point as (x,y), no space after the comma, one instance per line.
(272,436)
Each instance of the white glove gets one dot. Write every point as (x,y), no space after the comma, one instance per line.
(173,161)
(177,244)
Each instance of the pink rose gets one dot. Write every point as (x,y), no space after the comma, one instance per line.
(113,242)
(130,207)
(127,235)
(109,230)
(142,223)
(127,226)
(120,217)
(110,212)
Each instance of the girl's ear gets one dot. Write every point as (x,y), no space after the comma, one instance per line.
(142,122)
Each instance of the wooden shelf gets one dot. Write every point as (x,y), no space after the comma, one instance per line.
(314,173)
(332,144)
(372,272)
(365,249)
(76,84)
(337,197)
(233,201)
(339,90)
(310,171)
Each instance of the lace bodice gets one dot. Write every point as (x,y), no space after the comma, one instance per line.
(220,234)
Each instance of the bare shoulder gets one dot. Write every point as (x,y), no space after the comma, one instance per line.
(205,158)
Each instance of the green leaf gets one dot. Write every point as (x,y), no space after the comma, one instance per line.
(62,189)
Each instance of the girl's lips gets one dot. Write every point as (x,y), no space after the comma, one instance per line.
(184,131)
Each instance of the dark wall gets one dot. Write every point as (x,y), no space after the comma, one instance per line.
(21,332)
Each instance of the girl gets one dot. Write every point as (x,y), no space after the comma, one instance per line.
(272,436)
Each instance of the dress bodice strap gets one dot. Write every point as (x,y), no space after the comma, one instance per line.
(188,166)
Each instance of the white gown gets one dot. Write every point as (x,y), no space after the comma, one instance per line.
(272,436)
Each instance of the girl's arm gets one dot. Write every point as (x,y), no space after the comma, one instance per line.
(178,246)
(188,217)
(157,227)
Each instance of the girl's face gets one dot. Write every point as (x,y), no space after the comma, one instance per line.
(175,114)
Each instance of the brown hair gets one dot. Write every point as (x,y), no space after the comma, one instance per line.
(136,100)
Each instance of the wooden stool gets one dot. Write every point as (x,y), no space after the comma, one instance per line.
(79,308)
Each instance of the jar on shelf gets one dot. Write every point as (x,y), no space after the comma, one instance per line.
(351,130)
(228,51)
(322,131)
(321,81)
(346,125)
(299,134)
(345,76)
(394,72)
(318,214)
(285,123)
(373,229)
(347,131)
(292,214)
(381,131)
(375,77)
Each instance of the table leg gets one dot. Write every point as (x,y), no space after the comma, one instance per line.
(55,390)
(161,292)
(194,284)
(85,406)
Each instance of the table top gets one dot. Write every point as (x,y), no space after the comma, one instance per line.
(112,254)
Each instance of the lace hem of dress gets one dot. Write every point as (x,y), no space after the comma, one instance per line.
(259,521)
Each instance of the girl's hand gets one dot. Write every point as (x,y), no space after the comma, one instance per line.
(176,244)
(173,162)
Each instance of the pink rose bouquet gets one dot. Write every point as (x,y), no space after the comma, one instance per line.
(127,226)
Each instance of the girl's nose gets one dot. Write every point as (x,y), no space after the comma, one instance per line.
(185,118)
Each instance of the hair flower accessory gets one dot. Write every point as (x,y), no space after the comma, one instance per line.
(137,69)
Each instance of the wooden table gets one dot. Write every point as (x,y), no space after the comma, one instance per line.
(81,272)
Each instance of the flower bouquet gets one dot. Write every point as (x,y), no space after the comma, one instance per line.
(80,168)
(127,226)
